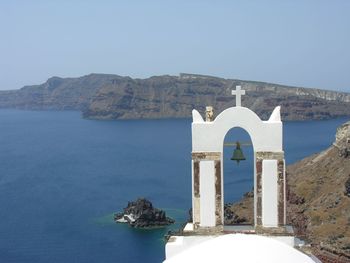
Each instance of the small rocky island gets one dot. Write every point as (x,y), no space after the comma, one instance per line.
(142,214)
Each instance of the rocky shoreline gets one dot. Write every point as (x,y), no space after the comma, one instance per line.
(142,214)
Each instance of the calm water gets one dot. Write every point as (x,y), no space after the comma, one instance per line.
(62,177)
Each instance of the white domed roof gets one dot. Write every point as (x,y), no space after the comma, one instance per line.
(241,248)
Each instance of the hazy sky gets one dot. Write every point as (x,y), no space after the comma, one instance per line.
(295,42)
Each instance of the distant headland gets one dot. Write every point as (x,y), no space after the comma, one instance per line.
(108,96)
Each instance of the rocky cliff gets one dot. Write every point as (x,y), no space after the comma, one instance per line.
(102,96)
(318,200)
(56,93)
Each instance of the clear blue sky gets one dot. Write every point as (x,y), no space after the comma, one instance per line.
(293,42)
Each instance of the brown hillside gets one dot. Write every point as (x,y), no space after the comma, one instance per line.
(319,198)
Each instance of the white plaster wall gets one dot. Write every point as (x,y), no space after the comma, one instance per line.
(193,216)
(285,192)
(255,192)
(269,193)
(174,247)
(222,190)
(209,136)
(288,240)
(182,243)
(207,193)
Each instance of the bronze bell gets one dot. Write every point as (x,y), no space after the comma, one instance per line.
(238,154)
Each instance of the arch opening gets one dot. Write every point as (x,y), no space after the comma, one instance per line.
(238,179)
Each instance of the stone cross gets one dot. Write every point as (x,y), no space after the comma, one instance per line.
(238,93)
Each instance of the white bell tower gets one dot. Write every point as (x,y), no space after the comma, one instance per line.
(208,177)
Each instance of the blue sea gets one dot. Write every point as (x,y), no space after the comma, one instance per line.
(62,178)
